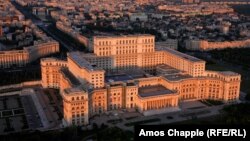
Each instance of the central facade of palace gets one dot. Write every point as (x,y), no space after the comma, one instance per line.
(126,72)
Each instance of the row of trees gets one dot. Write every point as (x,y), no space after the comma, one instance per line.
(239,56)
(236,114)
(72,134)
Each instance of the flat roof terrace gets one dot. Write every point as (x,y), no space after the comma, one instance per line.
(125,76)
(182,55)
(229,73)
(121,77)
(163,68)
(78,58)
(74,90)
(123,36)
(73,80)
(155,90)
(177,77)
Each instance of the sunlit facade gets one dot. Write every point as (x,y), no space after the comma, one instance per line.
(126,72)
(28,54)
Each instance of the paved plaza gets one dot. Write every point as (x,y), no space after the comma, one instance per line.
(30,109)
(127,120)
(37,108)
(18,113)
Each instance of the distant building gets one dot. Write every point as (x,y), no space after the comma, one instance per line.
(28,54)
(77,36)
(138,16)
(40,11)
(195,44)
(13,58)
(1,31)
(190,1)
(125,72)
(169,43)
(204,45)
(224,27)
(142,1)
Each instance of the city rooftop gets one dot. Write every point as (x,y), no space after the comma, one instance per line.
(155,90)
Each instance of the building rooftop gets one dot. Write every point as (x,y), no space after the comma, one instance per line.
(165,69)
(155,90)
(73,90)
(78,58)
(92,55)
(185,56)
(73,80)
(124,36)
(13,51)
(228,73)
(177,77)
(125,75)
(121,77)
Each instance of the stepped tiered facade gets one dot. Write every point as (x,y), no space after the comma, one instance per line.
(126,72)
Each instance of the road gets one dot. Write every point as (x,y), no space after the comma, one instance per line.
(54,123)
(64,44)
(32,115)
(41,24)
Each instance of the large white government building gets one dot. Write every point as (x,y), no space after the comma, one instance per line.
(127,72)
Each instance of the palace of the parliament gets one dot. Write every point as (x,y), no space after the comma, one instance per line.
(127,72)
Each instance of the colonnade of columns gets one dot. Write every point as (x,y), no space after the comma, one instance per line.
(159,104)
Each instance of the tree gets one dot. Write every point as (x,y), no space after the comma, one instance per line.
(247,96)
(114,134)
(236,114)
